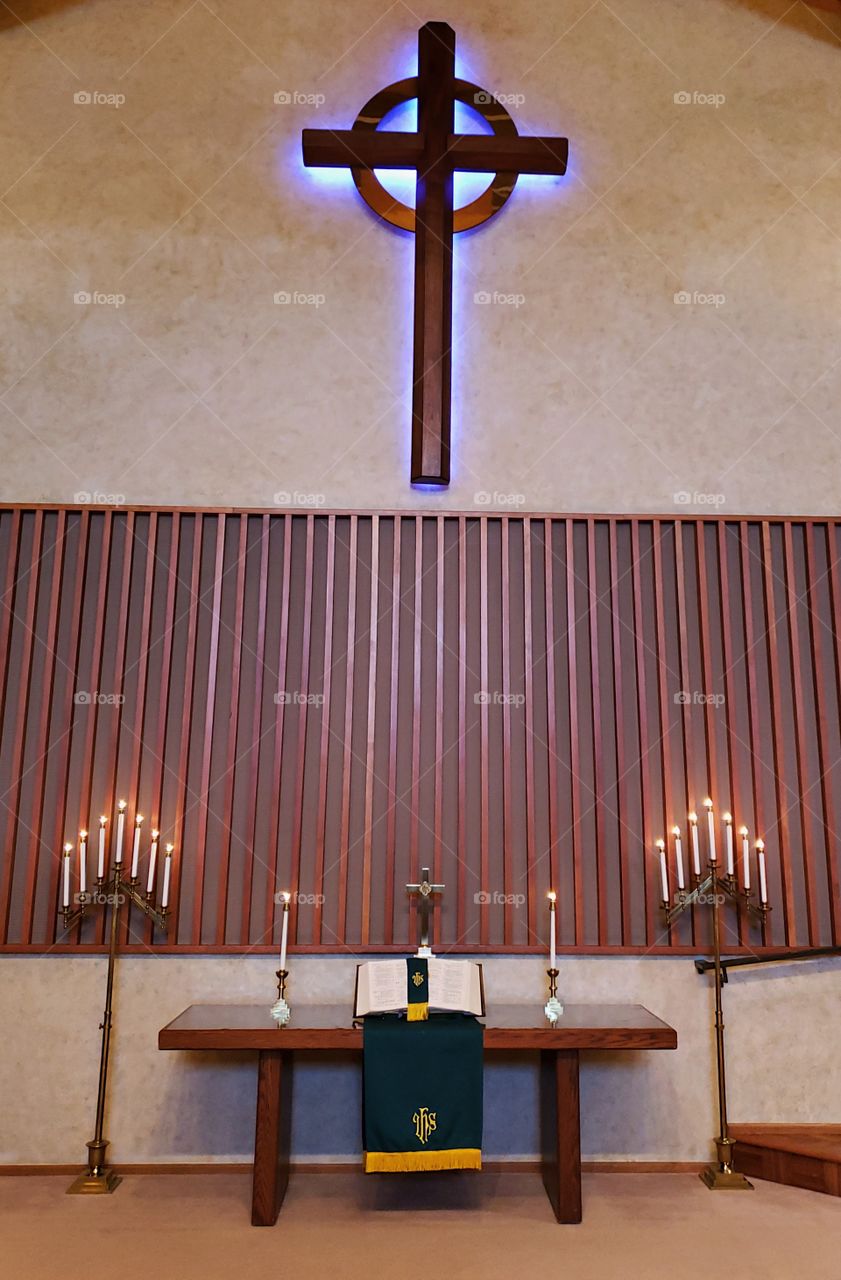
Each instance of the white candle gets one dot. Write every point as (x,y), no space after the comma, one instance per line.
(135,852)
(100,864)
(696,852)
(153,855)
(664,874)
(728,834)
(743,832)
(167,870)
(760,858)
(121,824)
(708,805)
(681,883)
(285,930)
(83,861)
(65,879)
(552,942)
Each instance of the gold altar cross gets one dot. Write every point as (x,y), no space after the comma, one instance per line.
(424,892)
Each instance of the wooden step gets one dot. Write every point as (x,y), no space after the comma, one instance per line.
(798,1155)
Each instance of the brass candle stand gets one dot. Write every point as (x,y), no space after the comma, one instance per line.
(553,1007)
(713,889)
(281,1011)
(98,1179)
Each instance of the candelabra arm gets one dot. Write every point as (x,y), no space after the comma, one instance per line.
(146,906)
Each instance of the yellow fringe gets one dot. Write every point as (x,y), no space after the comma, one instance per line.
(418,1012)
(420,1161)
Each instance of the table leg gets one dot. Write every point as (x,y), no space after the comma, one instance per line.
(271,1138)
(560,1126)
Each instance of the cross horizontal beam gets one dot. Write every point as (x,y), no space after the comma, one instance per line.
(465,152)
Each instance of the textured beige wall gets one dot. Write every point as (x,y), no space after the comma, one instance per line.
(598,392)
(784,1059)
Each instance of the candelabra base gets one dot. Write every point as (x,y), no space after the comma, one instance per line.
(722,1176)
(96,1180)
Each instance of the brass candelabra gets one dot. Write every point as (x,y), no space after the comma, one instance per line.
(97,1178)
(712,890)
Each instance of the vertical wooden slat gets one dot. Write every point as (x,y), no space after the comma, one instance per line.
(600,868)
(10,583)
(324,745)
(786,851)
(186,724)
(737,788)
(461,830)
(41,746)
(619,740)
(662,689)
(528,658)
(652,929)
(751,641)
(11,799)
(819,673)
(809,873)
(691,769)
(438,776)
(301,756)
(574,739)
(159,746)
(142,667)
(551,709)
(273,852)
(394,674)
(417,703)
(347,740)
(505,646)
(203,801)
(373,626)
(223,870)
(484,759)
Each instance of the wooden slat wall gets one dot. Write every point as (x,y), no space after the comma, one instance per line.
(327,702)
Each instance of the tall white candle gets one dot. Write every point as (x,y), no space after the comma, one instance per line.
(285,930)
(763,883)
(552,896)
(83,861)
(664,874)
(696,852)
(708,805)
(728,835)
(167,872)
(153,855)
(743,832)
(681,883)
(65,876)
(135,851)
(100,863)
(121,826)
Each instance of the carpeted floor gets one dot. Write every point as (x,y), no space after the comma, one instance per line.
(462,1227)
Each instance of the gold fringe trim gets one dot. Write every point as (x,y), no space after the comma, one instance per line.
(419,1161)
(417,1012)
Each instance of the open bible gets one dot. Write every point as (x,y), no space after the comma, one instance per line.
(455,986)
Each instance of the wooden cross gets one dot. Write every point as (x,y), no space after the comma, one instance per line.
(425,891)
(434,152)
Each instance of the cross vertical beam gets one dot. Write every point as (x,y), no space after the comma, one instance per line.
(431,374)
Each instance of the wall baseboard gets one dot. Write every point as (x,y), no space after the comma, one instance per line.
(355,1166)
